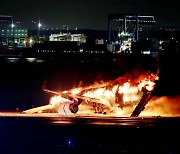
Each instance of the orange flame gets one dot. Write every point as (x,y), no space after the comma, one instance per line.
(163,106)
(121,93)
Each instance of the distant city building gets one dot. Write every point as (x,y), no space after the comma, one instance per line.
(5,21)
(15,35)
(123,29)
(10,33)
(68,37)
(99,41)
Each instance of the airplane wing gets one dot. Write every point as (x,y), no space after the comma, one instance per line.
(70,95)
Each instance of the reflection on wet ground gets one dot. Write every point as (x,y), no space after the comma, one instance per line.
(52,133)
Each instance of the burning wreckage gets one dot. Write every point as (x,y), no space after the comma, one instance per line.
(102,98)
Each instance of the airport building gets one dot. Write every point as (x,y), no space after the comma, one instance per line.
(13,35)
(68,37)
(10,33)
(5,21)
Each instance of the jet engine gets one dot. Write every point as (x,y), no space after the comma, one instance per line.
(64,108)
(68,108)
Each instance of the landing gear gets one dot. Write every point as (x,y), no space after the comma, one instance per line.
(73,107)
(98,108)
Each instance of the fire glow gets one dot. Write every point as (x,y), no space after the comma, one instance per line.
(118,97)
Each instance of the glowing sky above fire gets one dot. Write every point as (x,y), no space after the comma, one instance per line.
(90,14)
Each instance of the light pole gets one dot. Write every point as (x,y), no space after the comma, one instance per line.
(12,32)
(39,27)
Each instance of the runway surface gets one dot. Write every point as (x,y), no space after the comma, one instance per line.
(79,134)
(96,119)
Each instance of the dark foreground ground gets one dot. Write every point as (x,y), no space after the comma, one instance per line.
(89,135)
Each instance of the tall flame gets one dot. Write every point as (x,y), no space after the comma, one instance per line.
(122,93)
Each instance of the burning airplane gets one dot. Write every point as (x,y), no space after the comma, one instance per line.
(130,92)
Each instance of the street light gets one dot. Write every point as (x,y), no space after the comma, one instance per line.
(12,32)
(39,27)
(12,25)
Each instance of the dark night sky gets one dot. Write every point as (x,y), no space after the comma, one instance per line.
(90,14)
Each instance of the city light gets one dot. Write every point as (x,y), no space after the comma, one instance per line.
(30,41)
(39,25)
(12,25)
